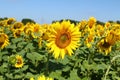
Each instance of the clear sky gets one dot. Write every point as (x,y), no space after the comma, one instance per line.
(45,11)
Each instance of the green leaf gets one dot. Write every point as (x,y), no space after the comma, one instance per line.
(85,64)
(56,74)
(29,75)
(2,69)
(5,58)
(37,56)
(18,76)
(31,57)
(64,61)
(74,75)
(17,71)
(34,56)
(16,40)
(22,52)
(11,46)
(85,78)
(9,75)
(29,46)
(1,78)
(66,68)
(24,68)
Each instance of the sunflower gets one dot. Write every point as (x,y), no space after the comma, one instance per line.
(31,78)
(3,23)
(43,78)
(91,22)
(17,25)
(33,30)
(107,24)
(4,41)
(17,33)
(104,46)
(28,28)
(63,39)
(100,30)
(36,31)
(90,39)
(46,31)
(19,61)
(10,21)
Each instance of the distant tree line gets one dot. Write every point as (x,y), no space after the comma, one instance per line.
(72,21)
(26,20)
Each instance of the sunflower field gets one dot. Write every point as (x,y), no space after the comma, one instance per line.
(62,50)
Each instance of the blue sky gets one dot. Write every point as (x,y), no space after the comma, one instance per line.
(45,11)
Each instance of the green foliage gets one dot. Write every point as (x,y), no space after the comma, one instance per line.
(85,64)
(26,20)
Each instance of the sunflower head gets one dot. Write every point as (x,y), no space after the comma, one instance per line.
(89,39)
(2,23)
(17,25)
(17,33)
(4,41)
(36,30)
(10,21)
(19,61)
(28,28)
(31,78)
(45,31)
(82,25)
(44,78)
(104,46)
(91,22)
(63,39)
(33,30)
(100,30)
(107,24)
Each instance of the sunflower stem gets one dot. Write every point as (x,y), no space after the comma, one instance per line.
(47,65)
(108,69)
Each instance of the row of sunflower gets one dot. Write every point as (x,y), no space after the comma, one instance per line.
(60,50)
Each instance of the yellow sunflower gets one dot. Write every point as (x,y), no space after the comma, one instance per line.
(3,23)
(91,22)
(4,41)
(10,21)
(36,31)
(100,30)
(104,46)
(28,28)
(19,61)
(63,39)
(43,78)
(31,78)
(107,24)
(17,25)
(33,30)
(17,33)
(90,39)
(46,31)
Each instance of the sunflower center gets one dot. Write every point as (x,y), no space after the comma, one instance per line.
(106,45)
(2,39)
(63,40)
(36,29)
(18,33)
(17,25)
(19,61)
(9,22)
